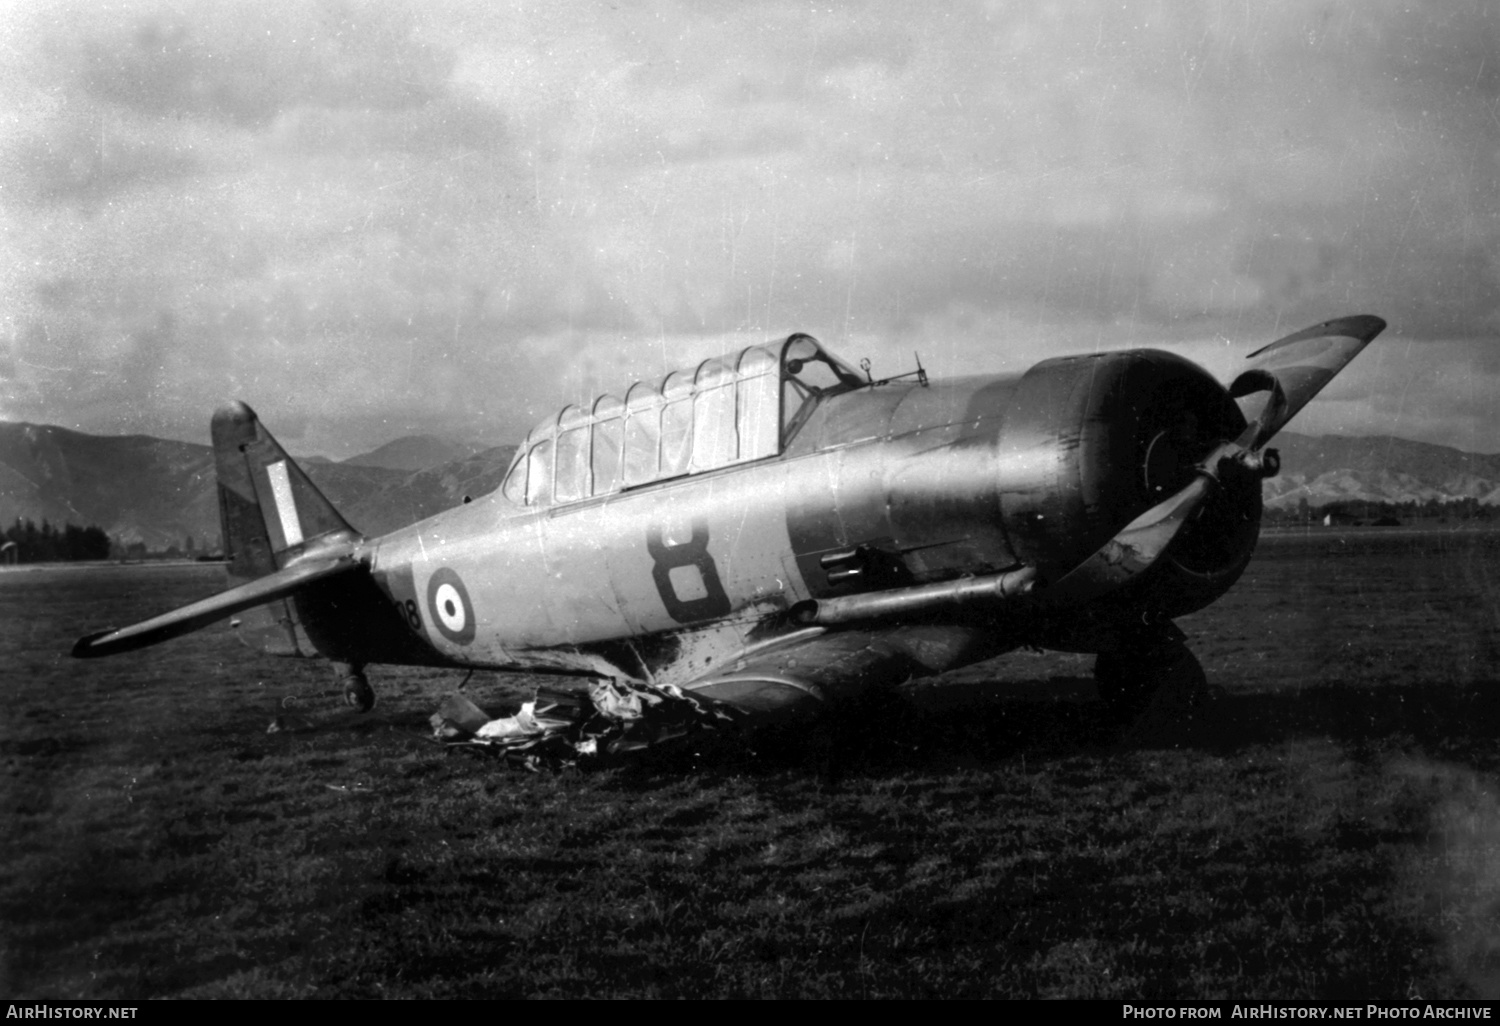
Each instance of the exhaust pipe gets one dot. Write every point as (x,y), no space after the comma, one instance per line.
(909,601)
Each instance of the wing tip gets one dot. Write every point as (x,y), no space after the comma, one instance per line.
(84,647)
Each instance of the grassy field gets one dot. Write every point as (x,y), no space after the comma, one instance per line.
(1328,827)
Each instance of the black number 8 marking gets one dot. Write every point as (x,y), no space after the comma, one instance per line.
(694,553)
(408,611)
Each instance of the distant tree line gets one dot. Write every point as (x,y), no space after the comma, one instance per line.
(46,544)
(1368,512)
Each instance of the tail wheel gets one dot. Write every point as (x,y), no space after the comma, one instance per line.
(357,691)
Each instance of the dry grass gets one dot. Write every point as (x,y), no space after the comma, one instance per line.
(1330,826)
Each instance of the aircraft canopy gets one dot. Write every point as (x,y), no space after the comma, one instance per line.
(727,410)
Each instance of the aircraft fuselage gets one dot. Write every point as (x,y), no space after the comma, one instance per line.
(894,486)
(771,531)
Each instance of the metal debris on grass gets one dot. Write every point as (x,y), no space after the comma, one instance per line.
(558,728)
(355,788)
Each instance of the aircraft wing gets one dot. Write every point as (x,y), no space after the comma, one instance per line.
(189,618)
(786,679)
(794,676)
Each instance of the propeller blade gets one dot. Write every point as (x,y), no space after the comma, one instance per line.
(1291,371)
(1295,368)
(1131,551)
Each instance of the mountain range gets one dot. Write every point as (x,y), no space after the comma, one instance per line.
(416,452)
(161,493)
(1378,468)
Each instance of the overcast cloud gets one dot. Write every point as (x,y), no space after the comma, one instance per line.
(373,219)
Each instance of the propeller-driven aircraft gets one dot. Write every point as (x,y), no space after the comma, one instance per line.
(776,532)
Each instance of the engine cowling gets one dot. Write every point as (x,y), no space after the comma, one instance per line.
(1090,442)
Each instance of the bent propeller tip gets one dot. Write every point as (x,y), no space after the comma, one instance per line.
(1362,327)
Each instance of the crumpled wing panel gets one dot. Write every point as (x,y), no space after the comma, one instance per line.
(792,678)
(814,669)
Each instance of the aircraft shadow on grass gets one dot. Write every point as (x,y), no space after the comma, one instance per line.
(979,724)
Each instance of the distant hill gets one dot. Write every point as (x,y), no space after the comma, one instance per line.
(1378,468)
(136,487)
(416,496)
(143,489)
(415,452)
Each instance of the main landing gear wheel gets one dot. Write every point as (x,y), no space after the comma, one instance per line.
(1151,687)
(357,691)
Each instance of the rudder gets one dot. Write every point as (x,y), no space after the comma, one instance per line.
(269,511)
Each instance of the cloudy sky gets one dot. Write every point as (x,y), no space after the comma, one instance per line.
(372,219)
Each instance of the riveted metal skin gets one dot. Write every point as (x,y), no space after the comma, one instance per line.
(1073,456)
(977,476)
(900,488)
(777,531)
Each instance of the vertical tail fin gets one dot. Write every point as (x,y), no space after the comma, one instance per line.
(269,511)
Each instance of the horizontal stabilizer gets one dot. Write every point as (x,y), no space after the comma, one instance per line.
(278,585)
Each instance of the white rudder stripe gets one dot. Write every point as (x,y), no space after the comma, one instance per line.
(286,505)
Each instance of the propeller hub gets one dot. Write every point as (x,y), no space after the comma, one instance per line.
(1172,456)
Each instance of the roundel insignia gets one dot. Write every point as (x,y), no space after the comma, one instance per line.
(449,606)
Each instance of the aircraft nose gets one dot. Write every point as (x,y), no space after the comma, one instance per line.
(1090,443)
